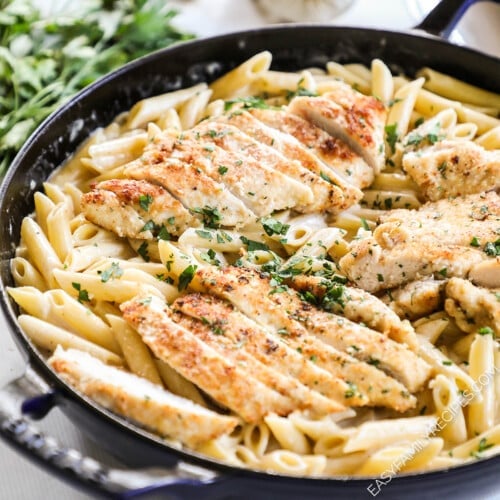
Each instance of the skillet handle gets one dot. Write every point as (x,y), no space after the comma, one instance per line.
(30,394)
(445,16)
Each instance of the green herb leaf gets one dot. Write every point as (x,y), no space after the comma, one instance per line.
(145,201)
(253,245)
(392,136)
(112,272)
(186,277)
(273,226)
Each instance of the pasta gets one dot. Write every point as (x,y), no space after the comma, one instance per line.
(73,275)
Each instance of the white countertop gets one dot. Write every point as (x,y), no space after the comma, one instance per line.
(479,28)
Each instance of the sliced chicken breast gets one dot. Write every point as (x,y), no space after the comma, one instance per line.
(416,299)
(327,196)
(214,334)
(226,382)
(446,238)
(135,209)
(453,168)
(140,400)
(251,293)
(340,163)
(195,190)
(473,307)
(359,306)
(271,349)
(357,119)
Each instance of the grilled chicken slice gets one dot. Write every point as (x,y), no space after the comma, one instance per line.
(253,180)
(339,162)
(327,196)
(224,380)
(359,306)
(217,335)
(135,209)
(271,349)
(140,400)
(197,191)
(473,307)
(358,340)
(416,299)
(446,237)
(453,168)
(357,119)
(253,295)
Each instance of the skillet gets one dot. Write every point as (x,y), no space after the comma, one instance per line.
(157,470)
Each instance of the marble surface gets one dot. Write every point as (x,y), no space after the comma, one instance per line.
(479,29)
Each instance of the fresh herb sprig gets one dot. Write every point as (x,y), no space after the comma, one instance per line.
(47,58)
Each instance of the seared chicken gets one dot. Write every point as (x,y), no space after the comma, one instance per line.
(446,238)
(357,119)
(473,307)
(327,196)
(194,189)
(217,151)
(416,299)
(359,306)
(253,295)
(453,168)
(140,400)
(223,379)
(218,333)
(339,162)
(135,209)
(267,347)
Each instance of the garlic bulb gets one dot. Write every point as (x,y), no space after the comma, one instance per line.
(301,10)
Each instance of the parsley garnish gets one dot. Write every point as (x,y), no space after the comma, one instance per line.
(253,245)
(486,330)
(143,251)
(112,272)
(474,242)
(186,277)
(210,215)
(163,234)
(492,248)
(145,201)
(206,235)
(273,226)
(392,136)
(222,169)
(247,102)
(351,392)
(83,295)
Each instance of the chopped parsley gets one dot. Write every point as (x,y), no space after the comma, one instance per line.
(206,235)
(247,103)
(186,277)
(325,177)
(351,392)
(486,330)
(143,251)
(365,225)
(392,136)
(112,272)
(83,295)
(145,201)
(253,245)
(483,445)
(443,272)
(273,226)
(222,169)
(163,234)
(474,242)
(492,248)
(210,215)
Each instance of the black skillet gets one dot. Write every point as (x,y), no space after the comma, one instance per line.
(157,470)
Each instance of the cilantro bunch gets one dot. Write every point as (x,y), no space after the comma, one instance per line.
(46,57)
